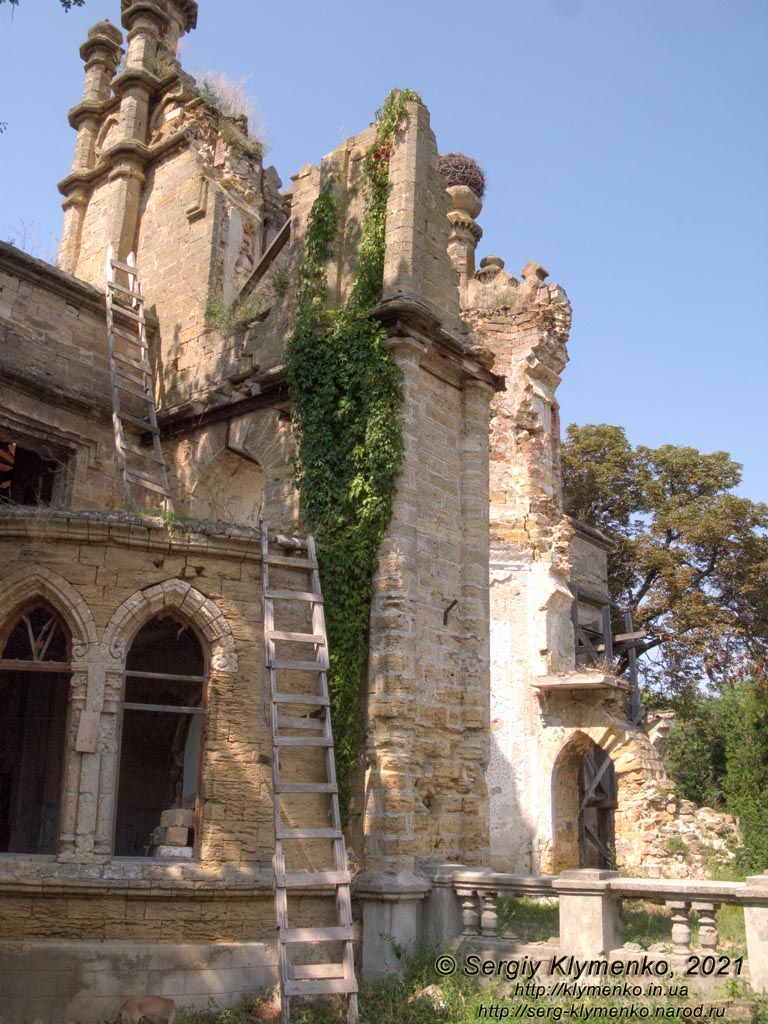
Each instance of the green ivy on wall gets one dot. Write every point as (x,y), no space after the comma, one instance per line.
(346,395)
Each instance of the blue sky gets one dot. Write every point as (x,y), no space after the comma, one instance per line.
(624,144)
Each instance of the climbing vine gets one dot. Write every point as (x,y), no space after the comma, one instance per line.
(346,394)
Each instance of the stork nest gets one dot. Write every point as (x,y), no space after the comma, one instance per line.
(457,169)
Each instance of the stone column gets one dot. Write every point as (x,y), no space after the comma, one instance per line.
(389,786)
(474,613)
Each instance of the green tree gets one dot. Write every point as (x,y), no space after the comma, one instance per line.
(690,557)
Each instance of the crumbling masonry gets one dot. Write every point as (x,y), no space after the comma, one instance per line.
(135,843)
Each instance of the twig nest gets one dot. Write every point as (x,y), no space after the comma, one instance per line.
(458,169)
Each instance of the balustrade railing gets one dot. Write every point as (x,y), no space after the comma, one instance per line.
(589,910)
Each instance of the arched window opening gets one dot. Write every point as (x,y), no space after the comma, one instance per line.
(161,741)
(34,687)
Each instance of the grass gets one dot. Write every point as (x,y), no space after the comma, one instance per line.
(231,317)
(644,923)
(457,1000)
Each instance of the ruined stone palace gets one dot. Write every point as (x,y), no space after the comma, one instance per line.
(136,821)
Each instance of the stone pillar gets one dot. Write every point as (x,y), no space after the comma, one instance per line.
(756,921)
(590,922)
(392,912)
(474,609)
(389,785)
(101,54)
(465,206)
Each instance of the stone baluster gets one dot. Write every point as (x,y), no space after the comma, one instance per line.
(489,918)
(470,917)
(708,936)
(681,929)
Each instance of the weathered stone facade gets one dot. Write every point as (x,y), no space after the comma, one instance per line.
(478,719)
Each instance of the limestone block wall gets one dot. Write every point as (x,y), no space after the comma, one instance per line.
(54,383)
(427,741)
(525,327)
(117,571)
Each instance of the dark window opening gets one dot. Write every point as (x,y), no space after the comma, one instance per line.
(34,690)
(29,477)
(162,733)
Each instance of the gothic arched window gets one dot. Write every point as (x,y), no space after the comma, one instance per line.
(161,741)
(34,687)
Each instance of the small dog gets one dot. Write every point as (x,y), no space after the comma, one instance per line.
(153,1009)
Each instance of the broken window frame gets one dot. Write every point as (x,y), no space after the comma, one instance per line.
(49,451)
(200,710)
(38,666)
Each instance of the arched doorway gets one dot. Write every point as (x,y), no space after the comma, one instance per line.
(35,654)
(162,733)
(598,800)
(585,798)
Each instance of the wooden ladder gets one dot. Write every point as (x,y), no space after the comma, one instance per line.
(130,378)
(301,723)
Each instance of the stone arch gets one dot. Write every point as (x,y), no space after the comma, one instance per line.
(29,582)
(583,827)
(231,489)
(180,596)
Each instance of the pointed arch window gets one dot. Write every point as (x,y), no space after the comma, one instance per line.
(163,715)
(35,647)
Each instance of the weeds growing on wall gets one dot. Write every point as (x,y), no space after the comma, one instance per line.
(346,393)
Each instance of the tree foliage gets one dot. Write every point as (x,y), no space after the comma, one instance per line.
(346,395)
(690,556)
(718,755)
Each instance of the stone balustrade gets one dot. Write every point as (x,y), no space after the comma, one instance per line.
(590,919)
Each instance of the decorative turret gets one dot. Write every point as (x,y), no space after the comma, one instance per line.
(112,122)
(465,184)
(101,53)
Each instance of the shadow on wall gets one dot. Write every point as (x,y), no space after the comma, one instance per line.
(512,837)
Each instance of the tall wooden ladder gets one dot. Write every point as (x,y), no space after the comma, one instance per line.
(130,377)
(310,851)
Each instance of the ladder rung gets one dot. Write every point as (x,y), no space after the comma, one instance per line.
(144,453)
(144,367)
(296,971)
(319,987)
(293,563)
(308,833)
(306,879)
(117,265)
(299,722)
(303,741)
(150,485)
(343,933)
(144,395)
(301,666)
(134,338)
(301,698)
(122,373)
(306,787)
(299,638)
(125,289)
(130,313)
(293,595)
(141,424)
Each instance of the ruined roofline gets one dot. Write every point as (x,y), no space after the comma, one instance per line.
(592,533)
(31,268)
